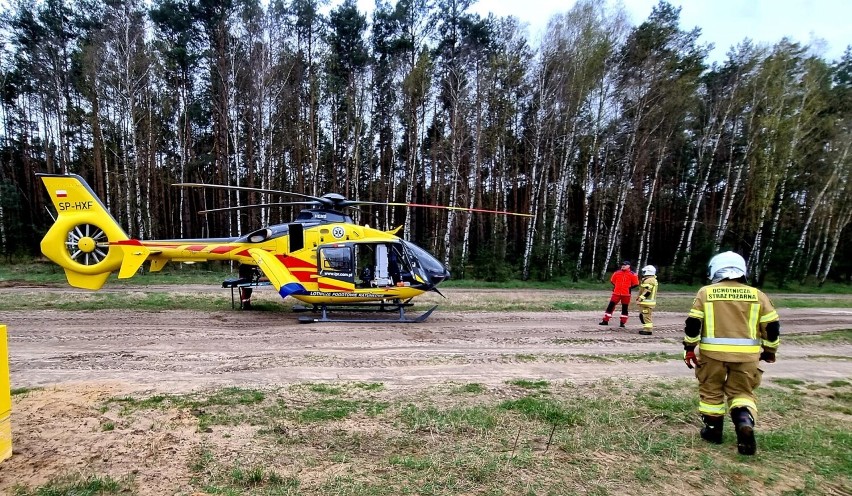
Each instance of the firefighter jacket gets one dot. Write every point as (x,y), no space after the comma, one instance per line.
(735,321)
(623,281)
(648,291)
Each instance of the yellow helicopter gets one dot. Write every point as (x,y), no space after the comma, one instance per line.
(322,258)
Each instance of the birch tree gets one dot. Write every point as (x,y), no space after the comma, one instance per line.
(177,44)
(657,81)
(124,78)
(579,44)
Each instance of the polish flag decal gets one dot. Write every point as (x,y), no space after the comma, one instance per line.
(61,193)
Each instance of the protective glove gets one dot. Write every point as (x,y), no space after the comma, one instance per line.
(640,299)
(690,359)
(767,356)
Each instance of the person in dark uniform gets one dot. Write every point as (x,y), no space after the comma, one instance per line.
(393,266)
(248,274)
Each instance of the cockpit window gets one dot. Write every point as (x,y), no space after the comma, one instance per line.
(424,259)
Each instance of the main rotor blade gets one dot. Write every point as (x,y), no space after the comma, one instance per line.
(255,205)
(246,188)
(463,209)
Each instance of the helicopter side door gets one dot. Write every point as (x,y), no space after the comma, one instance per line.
(351,265)
(381,264)
(336,267)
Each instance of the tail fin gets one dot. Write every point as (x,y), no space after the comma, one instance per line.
(82,239)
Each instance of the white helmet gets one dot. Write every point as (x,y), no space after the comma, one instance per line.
(727,265)
(649,270)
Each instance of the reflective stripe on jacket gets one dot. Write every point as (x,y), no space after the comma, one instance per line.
(734,318)
(648,291)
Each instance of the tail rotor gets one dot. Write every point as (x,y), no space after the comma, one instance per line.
(87,244)
(83,239)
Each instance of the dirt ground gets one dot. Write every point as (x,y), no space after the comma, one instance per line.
(80,358)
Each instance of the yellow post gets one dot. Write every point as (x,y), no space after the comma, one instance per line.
(5,399)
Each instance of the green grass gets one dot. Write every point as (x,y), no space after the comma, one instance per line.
(471,388)
(45,272)
(77,485)
(651,356)
(453,419)
(23,391)
(137,299)
(328,409)
(527,384)
(222,407)
(542,409)
(325,389)
(791,383)
(836,337)
(237,478)
(782,302)
(604,437)
(576,305)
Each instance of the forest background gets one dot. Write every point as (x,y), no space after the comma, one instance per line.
(622,141)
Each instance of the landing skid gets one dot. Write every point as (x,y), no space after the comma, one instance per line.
(324,309)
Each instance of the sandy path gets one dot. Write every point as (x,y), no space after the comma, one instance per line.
(179,350)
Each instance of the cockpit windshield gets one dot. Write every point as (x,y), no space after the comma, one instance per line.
(424,260)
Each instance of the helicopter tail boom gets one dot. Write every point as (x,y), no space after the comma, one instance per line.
(81,239)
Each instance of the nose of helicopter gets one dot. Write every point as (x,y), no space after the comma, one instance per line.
(435,270)
(439,277)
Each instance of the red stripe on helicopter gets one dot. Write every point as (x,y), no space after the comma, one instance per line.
(222,249)
(162,245)
(127,242)
(304,275)
(196,247)
(330,287)
(295,263)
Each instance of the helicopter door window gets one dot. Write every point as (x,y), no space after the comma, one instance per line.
(336,261)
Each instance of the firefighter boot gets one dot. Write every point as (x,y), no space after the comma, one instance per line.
(744,423)
(712,430)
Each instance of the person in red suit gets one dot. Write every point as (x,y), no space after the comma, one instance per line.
(623,281)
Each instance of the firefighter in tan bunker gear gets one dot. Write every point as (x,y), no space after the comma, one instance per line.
(734,326)
(647,298)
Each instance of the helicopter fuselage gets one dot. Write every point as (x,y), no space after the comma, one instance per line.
(320,258)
